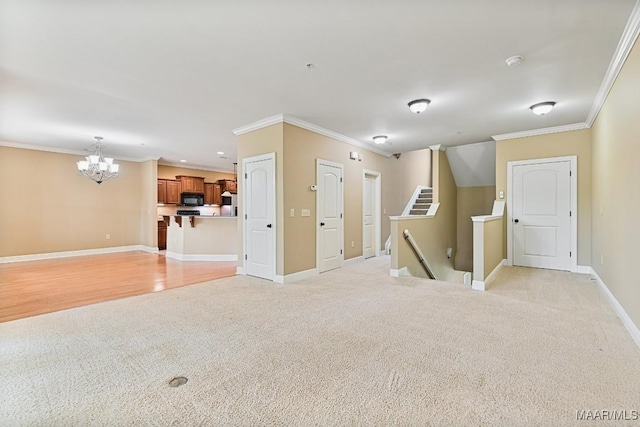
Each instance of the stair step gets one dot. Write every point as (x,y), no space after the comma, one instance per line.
(418,211)
(426,191)
(421,206)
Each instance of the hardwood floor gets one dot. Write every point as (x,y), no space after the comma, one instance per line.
(38,287)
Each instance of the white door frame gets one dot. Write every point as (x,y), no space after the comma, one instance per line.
(377,209)
(268,156)
(574,204)
(318,251)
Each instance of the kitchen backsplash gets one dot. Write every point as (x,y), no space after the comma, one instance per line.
(204,210)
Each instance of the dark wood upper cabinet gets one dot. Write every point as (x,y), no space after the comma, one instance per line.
(228,185)
(173,192)
(208,193)
(191,184)
(217,194)
(162,191)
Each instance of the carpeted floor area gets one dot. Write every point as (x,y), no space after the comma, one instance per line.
(348,347)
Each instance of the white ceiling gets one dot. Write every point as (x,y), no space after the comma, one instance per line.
(178,77)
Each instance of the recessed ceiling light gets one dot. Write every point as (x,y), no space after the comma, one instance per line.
(380,139)
(419,105)
(513,60)
(183,161)
(542,108)
(221,152)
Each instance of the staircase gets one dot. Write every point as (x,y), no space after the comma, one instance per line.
(423,202)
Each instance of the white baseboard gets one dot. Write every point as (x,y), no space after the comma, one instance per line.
(582,269)
(402,272)
(149,249)
(68,254)
(466,278)
(353,260)
(631,327)
(200,257)
(294,277)
(240,270)
(394,272)
(481,285)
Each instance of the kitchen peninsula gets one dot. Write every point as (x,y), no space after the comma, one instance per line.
(202,237)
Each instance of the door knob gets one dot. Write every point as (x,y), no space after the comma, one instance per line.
(268,225)
(516,220)
(322,224)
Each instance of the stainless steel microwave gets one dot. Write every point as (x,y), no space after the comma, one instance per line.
(192,199)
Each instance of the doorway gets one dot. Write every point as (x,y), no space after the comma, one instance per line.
(329,215)
(542,213)
(371,213)
(259,190)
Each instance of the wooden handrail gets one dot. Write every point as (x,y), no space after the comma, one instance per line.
(409,238)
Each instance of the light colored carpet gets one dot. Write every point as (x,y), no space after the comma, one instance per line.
(349,347)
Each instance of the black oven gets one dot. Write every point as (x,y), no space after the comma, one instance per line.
(192,199)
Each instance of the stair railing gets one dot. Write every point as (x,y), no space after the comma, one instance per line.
(427,268)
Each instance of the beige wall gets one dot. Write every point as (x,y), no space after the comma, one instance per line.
(576,143)
(433,235)
(55,209)
(301,149)
(410,170)
(616,188)
(148,203)
(263,141)
(170,172)
(472,201)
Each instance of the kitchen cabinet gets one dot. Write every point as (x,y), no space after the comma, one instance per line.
(191,184)
(162,235)
(174,188)
(212,194)
(228,185)
(162,191)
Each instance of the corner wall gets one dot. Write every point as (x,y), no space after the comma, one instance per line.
(472,201)
(616,188)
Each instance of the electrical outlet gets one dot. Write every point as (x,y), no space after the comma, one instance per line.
(601,259)
(108,236)
(353,244)
(305,212)
(384,211)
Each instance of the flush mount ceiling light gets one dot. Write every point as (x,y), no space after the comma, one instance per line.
(183,161)
(542,108)
(514,60)
(97,167)
(380,139)
(419,105)
(220,153)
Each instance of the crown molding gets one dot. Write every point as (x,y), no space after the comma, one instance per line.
(334,135)
(72,152)
(200,168)
(542,131)
(259,124)
(629,37)
(283,118)
(438,147)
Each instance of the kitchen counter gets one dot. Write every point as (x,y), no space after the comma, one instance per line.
(199,239)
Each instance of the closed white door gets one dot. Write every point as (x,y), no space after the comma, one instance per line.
(368,217)
(541,217)
(260,202)
(329,217)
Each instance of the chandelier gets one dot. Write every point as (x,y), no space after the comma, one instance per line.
(97,167)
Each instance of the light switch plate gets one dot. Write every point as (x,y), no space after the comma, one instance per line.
(305,212)
(501,194)
(292,212)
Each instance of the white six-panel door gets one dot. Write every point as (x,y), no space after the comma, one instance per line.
(329,216)
(368,217)
(260,216)
(541,215)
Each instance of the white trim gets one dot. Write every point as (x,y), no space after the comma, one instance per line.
(394,272)
(341,167)
(542,131)
(240,270)
(413,199)
(481,285)
(433,210)
(629,36)
(631,327)
(245,161)
(150,249)
(574,204)
(485,218)
(353,260)
(498,208)
(68,254)
(377,208)
(283,118)
(466,278)
(402,272)
(294,277)
(438,147)
(200,257)
(269,121)
(81,153)
(184,166)
(582,269)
